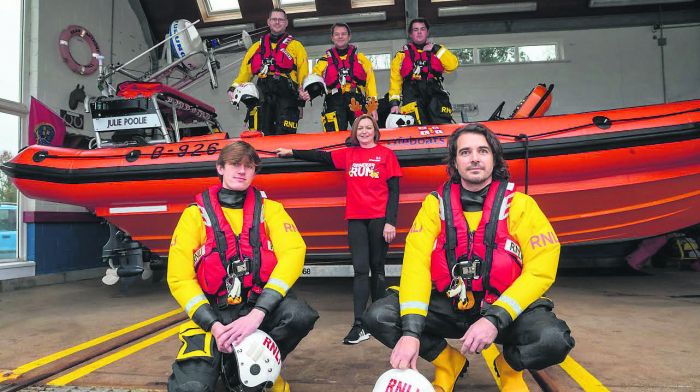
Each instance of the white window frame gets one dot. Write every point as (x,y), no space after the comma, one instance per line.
(20,110)
(210,16)
(477,57)
(380,54)
(305,6)
(557,56)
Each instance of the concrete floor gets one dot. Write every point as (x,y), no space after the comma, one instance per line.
(633,333)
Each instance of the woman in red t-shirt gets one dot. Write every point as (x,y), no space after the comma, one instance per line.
(372,176)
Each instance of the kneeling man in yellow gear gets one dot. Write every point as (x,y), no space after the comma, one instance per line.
(233,258)
(478,260)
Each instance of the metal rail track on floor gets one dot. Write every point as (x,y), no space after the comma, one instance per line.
(32,373)
(116,345)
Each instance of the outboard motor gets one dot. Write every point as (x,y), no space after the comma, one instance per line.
(124,257)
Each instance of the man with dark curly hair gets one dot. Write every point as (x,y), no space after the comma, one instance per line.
(478,260)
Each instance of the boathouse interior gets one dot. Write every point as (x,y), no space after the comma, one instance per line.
(634,324)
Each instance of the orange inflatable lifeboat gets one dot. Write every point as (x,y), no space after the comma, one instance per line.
(601,176)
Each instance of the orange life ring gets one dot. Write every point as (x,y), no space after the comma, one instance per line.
(64,47)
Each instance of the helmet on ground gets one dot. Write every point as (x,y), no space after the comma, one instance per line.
(246,93)
(259,361)
(402,380)
(314,85)
(395,120)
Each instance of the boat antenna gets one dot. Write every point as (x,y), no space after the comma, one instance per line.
(104,75)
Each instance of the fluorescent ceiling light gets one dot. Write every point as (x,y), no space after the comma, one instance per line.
(625,3)
(487,9)
(348,18)
(225,30)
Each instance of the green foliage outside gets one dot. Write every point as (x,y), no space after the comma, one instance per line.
(505,54)
(8,192)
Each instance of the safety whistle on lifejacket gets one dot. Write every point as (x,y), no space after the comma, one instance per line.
(233,287)
(416,72)
(466,303)
(465,297)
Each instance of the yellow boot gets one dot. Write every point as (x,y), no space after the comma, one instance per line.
(280,385)
(511,380)
(449,365)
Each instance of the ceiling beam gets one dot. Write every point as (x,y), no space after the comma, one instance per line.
(145,29)
(411,7)
(522,26)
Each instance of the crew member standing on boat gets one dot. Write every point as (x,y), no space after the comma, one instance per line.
(372,176)
(489,254)
(348,75)
(233,258)
(415,86)
(280,63)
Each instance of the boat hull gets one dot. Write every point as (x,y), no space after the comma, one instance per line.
(633,177)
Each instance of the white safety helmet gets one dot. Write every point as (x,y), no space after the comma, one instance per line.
(395,120)
(246,93)
(314,85)
(259,361)
(402,380)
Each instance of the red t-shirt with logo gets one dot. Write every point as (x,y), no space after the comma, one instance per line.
(366,173)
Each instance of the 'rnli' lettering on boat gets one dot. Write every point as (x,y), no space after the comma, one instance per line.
(418,140)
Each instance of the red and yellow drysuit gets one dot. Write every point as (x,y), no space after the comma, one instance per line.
(278,83)
(527,225)
(287,319)
(190,235)
(416,83)
(359,84)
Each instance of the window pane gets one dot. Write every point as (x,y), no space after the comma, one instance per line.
(296,2)
(538,53)
(369,3)
(11,44)
(380,61)
(8,193)
(465,55)
(504,54)
(293,6)
(223,5)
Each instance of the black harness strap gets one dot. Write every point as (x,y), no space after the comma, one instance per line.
(264,54)
(541,101)
(254,236)
(490,235)
(412,56)
(219,235)
(450,229)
